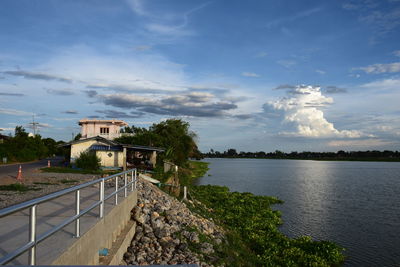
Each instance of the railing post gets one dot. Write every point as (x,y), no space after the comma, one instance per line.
(133,179)
(101,198)
(184,192)
(116,189)
(77,211)
(126,184)
(32,235)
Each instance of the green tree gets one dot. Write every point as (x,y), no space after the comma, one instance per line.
(173,135)
(88,160)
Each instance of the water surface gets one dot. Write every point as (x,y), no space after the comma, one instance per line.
(355,204)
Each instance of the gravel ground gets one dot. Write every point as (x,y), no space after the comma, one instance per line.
(41,184)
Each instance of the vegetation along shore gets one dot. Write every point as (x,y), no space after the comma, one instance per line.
(340,155)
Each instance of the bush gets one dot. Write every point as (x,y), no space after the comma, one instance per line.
(88,161)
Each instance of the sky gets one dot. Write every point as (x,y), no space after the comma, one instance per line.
(311,75)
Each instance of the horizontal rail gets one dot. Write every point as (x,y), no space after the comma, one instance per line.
(31,245)
(39,200)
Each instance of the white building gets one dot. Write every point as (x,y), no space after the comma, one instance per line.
(108,129)
(97,138)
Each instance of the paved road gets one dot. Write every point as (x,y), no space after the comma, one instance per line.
(11,170)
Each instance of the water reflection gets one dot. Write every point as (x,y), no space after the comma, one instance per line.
(352,203)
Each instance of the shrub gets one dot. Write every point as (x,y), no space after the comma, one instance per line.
(88,161)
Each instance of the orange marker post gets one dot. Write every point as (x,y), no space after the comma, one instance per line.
(19,176)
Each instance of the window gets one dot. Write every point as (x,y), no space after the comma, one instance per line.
(104,130)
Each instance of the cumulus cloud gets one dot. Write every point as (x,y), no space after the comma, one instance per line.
(196,104)
(302,108)
(250,74)
(61,92)
(37,76)
(381,68)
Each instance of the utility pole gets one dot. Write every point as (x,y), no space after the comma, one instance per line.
(34,125)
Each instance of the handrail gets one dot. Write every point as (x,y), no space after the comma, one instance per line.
(39,200)
(32,204)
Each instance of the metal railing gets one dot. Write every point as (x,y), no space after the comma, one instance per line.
(32,205)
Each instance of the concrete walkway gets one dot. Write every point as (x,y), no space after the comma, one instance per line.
(14,229)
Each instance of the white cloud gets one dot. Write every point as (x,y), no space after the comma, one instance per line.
(6,129)
(320,72)
(250,74)
(302,109)
(261,55)
(163,23)
(163,29)
(287,63)
(396,53)
(138,7)
(381,68)
(143,47)
(15,112)
(390,84)
(367,143)
(293,17)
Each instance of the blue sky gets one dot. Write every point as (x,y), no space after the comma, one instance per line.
(251,75)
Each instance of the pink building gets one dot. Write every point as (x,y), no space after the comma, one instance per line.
(108,129)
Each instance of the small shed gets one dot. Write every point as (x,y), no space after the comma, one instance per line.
(113,154)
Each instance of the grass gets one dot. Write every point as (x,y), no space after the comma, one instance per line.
(66,181)
(45,183)
(70,170)
(17,187)
(252,231)
(194,170)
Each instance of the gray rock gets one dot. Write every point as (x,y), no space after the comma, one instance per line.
(207,248)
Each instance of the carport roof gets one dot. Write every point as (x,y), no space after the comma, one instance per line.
(143,148)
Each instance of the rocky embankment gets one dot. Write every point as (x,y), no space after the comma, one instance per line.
(167,232)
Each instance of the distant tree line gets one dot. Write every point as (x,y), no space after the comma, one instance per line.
(22,147)
(385,155)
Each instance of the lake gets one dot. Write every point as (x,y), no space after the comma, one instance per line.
(355,204)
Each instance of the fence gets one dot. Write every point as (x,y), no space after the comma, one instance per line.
(32,205)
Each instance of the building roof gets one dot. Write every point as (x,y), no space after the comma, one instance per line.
(2,136)
(97,138)
(113,121)
(105,144)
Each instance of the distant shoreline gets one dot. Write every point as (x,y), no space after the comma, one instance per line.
(317,159)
